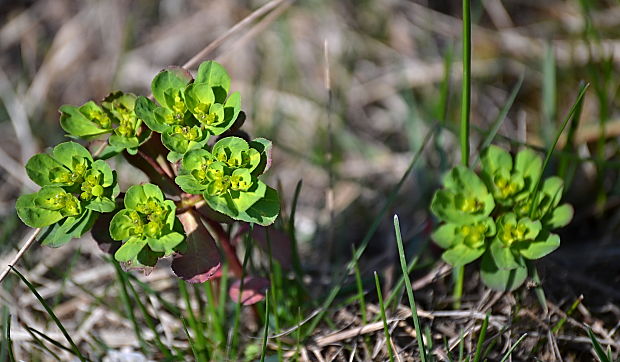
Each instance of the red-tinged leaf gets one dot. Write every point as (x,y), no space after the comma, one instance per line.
(201,260)
(101,234)
(254,290)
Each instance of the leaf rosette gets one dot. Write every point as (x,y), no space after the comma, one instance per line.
(147,226)
(189,110)
(74,189)
(227,178)
(115,116)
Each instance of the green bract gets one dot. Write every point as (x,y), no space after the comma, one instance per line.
(503,215)
(464,198)
(115,116)
(227,178)
(189,110)
(147,226)
(74,189)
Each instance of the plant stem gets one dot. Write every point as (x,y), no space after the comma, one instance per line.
(464,134)
(466,85)
(229,249)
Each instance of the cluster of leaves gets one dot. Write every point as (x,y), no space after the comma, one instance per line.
(77,187)
(74,190)
(504,215)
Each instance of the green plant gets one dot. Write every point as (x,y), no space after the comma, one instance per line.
(167,216)
(500,215)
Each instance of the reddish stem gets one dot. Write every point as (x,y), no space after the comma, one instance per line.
(229,249)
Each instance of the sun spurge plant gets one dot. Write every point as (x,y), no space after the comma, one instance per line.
(75,189)
(199,173)
(500,214)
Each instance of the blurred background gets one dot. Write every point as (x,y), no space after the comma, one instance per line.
(348,91)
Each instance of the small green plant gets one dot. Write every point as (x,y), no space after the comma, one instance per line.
(500,214)
(194,161)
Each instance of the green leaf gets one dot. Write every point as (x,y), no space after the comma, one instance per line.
(216,77)
(501,279)
(462,179)
(169,79)
(461,255)
(445,236)
(263,146)
(198,97)
(560,217)
(541,247)
(68,152)
(145,110)
(130,249)
(529,165)
(33,215)
(494,159)
(71,228)
(444,206)
(173,157)
(166,243)
(552,188)
(121,226)
(39,166)
(503,255)
(189,184)
(78,125)
(101,204)
(263,212)
(244,199)
(138,194)
(195,159)
(123,142)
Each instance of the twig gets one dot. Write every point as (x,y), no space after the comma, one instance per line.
(217,42)
(19,254)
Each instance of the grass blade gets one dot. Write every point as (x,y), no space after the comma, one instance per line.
(129,306)
(513,347)
(488,139)
(371,231)
(386,330)
(481,338)
(414,310)
(466,85)
(573,110)
(266,329)
(49,311)
(598,349)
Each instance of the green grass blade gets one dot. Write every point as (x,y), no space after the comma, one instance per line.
(149,321)
(488,139)
(194,324)
(466,85)
(74,348)
(266,329)
(190,340)
(481,338)
(513,347)
(35,334)
(414,310)
(386,330)
(582,91)
(556,328)
(129,306)
(598,349)
(6,351)
(371,231)
(235,330)
(549,92)
(211,311)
